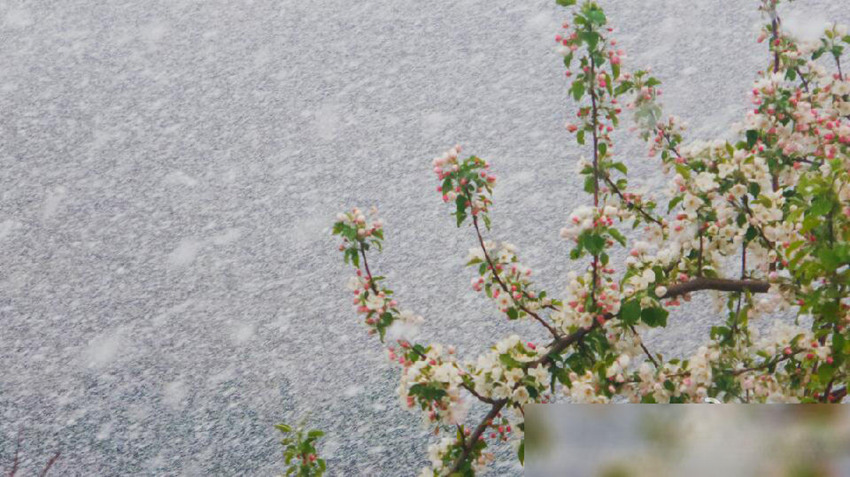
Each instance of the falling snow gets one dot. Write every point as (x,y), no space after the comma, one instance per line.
(169,289)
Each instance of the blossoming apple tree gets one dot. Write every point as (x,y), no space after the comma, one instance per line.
(762,223)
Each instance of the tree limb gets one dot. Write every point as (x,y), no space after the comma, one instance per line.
(719,284)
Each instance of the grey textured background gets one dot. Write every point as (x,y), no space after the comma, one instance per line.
(169,170)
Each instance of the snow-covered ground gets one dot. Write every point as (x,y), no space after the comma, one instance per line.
(169,170)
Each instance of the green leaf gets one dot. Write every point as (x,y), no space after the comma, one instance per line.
(575,253)
(509,361)
(513,313)
(791,75)
(589,184)
(820,206)
(284,428)
(620,167)
(487,221)
(521,451)
(617,236)
(825,372)
(565,3)
(811,221)
(597,16)
(624,87)
(591,38)
(615,70)
(630,312)
(315,434)
(829,259)
(752,137)
(577,89)
(673,203)
(428,393)
(594,243)
(654,317)
(755,189)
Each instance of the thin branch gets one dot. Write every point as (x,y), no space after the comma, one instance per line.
(645,350)
(744,247)
(50,464)
(629,203)
(670,146)
(595,136)
(550,306)
(699,258)
(758,229)
(502,283)
(15,461)
(803,78)
(764,365)
(595,125)
(368,273)
(478,396)
(775,24)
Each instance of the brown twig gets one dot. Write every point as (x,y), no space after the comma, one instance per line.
(595,124)
(630,204)
(645,350)
(478,396)
(15,461)
(775,24)
(368,273)
(50,464)
(502,283)
(765,365)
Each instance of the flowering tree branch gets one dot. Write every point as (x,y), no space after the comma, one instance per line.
(777,201)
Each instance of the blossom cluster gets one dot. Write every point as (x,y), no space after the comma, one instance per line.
(434,384)
(467,183)
(506,280)
(508,371)
(445,453)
